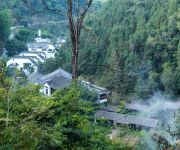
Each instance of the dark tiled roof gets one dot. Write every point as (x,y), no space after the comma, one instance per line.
(58,73)
(127,119)
(56,80)
(59,82)
(25,57)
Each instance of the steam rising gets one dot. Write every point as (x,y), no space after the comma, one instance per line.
(159,107)
(163,109)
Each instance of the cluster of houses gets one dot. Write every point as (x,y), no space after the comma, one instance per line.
(36,52)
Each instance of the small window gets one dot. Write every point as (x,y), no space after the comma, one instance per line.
(26,65)
(103,96)
(46,90)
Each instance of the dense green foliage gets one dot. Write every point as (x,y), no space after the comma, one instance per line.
(31,121)
(131,47)
(15,47)
(4,28)
(18,42)
(139,41)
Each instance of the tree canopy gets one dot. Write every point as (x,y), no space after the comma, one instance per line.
(5,23)
(31,121)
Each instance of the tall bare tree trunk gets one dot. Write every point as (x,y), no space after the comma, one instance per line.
(73,39)
(75,50)
(75,31)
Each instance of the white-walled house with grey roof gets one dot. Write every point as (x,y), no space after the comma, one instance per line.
(23,62)
(60,79)
(42,45)
(37,52)
(47,48)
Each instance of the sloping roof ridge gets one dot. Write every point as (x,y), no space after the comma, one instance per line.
(32,60)
(57,73)
(65,73)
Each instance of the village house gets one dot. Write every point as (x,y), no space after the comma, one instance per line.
(60,79)
(27,61)
(39,39)
(42,45)
(47,48)
(38,52)
(52,81)
(24,63)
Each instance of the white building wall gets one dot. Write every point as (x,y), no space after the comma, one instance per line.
(50,51)
(50,55)
(19,62)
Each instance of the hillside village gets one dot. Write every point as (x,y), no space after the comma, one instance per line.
(38,51)
(90,75)
(42,49)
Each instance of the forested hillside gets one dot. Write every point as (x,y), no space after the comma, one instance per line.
(34,15)
(132,47)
